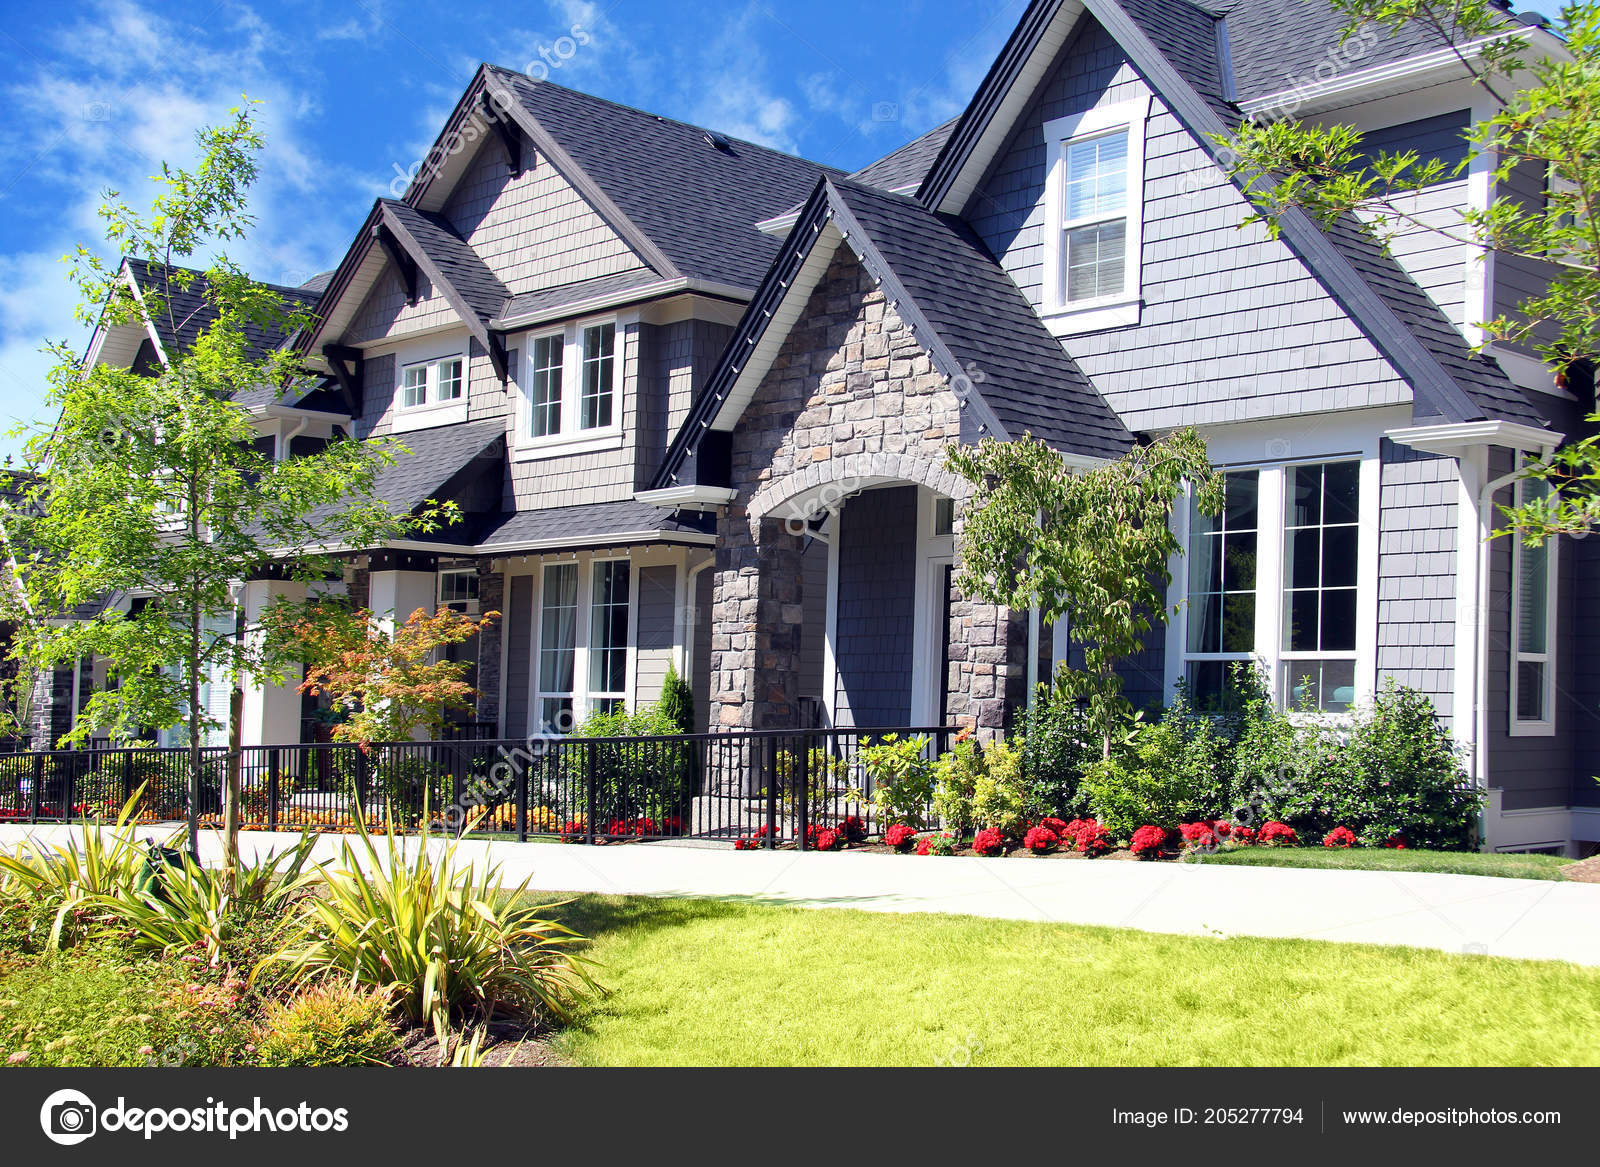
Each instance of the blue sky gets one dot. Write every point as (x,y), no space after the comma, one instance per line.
(98,94)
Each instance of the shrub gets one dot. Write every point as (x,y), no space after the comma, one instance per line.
(943,843)
(61,879)
(654,780)
(1167,771)
(998,793)
(1057,747)
(825,778)
(1242,836)
(989,841)
(1202,834)
(1041,840)
(677,700)
(901,837)
(1148,841)
(574,831)
(853,828)
(955,781)
(437,938)
(327,1025)
(746,843)
(820,838)
(1276,834)
(901,777)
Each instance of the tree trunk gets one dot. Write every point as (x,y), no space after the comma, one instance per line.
(230,806)
(193,665)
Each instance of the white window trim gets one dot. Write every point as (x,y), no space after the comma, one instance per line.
(1546,725)
(583,698)
(571,439)
(1060,317)
(1339,445)
(441,600)
(432,412)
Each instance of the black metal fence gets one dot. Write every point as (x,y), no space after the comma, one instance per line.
(773,785)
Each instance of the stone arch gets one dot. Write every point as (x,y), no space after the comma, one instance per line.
(822,485)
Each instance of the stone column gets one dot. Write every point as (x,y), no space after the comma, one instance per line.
(755,629)
(271,715)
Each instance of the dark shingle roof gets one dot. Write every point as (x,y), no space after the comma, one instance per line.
(454,257)
(550,299)
(698,204)
(1019,370)
(907,166)
(318,283)
(1277,44)
(585,524)
(437,455)
(190,314)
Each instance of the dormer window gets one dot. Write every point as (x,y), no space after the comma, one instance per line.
(431,383)
(1094,205)
(571,391)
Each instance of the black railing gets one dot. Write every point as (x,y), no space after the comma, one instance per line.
(766,784)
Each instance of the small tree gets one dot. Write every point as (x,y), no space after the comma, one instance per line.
(1091,547)
(677,700)
(392,681)
(149,484)
(1546,118)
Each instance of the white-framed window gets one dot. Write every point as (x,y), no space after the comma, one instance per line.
(1321,573)
(558,648)
(438,382)
(1220,630)
(1533,627)
(1285,577)
(458,590)
(611,591)
(571,390)
(1094,217)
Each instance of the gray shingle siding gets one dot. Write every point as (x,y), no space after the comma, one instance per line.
(1417,572)
(877,576)
(1533,771)
(657,598)
(1518,277)
(1234,327)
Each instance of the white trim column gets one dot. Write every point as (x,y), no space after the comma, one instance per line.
(271,713)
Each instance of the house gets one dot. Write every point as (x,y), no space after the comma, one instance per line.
(694,397)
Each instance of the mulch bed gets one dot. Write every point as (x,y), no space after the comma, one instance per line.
(508,1044)
(1584,871)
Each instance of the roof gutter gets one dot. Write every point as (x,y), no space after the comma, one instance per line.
(641,292)
(689,495)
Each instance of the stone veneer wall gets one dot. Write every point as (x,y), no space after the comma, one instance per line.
(851,401)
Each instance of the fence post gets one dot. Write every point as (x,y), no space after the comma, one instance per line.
(802,794)
(363,776)
(38,782)
(771,776)
(522,802)
(127,779)
(592,794)
(72,784)
(274,787)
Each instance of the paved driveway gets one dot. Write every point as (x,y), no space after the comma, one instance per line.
(1536,919)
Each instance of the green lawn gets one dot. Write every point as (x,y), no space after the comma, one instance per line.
(1382,859)
(709,982)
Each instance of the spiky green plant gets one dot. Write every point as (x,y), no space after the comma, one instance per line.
(439,937)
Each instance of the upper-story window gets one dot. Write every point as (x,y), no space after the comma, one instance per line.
(430,386)
(432,382)
(571,391)
(1094,203)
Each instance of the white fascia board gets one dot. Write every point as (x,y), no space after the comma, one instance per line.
(1453,438)
(779,226)
(276,409)
(692,495)
(1423,70)
(606,540)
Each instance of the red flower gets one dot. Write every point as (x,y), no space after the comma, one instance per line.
(1041,840)
(853,829)
(1340,836)
(572,831)
(1242,835)
(1396,842)
(924,846)
(1093,839)
(988,842)
(747,843)
(1202,834)
(1276,834)
(829,840)
(901,837)
(1148,841)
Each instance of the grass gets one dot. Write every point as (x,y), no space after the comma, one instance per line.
(1508,866)
(711,982)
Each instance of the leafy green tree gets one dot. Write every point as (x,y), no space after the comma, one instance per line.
(149,484)
(1546,119)
(1091,547)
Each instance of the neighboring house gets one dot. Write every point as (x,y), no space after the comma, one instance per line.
(695,396)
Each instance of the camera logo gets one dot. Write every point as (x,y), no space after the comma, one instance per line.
(68,1117)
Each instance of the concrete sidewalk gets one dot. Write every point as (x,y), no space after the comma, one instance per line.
(1532,919)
